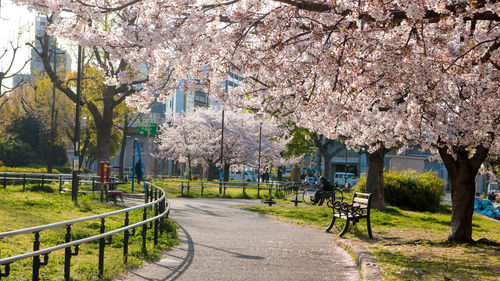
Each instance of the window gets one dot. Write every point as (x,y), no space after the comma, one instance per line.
(200,98)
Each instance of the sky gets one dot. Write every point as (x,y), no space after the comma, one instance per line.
(17,25)
(15,20)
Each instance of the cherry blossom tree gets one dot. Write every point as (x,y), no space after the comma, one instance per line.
(425,72)
(194,137)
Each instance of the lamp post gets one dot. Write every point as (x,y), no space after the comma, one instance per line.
(260,142)
(222,143)
(76,163)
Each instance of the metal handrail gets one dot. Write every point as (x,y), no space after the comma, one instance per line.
(161,211)
(70,222)
(81,241)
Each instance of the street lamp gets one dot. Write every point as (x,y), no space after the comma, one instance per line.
(222,142)
(260,142)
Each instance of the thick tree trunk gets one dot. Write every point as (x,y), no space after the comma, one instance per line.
(375,177)
(462,170)
(462,197)
(210,172)
(103,142)
(328,166)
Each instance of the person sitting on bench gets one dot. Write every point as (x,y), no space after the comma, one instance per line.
(324,191)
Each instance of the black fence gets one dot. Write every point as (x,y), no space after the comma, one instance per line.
(155,202)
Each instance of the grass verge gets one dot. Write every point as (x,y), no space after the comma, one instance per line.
(22,209)
(172,189)
(411,245)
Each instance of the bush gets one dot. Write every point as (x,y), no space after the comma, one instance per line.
(410,190)
(14,152)
(26,170)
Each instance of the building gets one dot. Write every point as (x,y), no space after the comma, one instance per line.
(63,59)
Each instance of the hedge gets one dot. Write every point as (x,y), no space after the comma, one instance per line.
(410,190)
(26,170)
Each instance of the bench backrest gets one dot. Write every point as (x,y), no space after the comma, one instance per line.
(362,200)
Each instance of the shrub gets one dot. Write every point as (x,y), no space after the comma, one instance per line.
(14,152)
(26,170)
(410,190)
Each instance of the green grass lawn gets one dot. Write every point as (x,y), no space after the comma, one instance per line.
(410,245)
(22,209)
(172,188)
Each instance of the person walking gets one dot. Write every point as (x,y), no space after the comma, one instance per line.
(138,171)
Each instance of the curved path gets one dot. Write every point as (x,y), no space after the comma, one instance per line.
(219,242)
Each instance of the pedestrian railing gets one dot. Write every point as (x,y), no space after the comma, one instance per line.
(24,179)
(155,200)
(285,187)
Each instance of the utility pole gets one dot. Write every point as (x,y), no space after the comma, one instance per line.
(50,153)
(76,163)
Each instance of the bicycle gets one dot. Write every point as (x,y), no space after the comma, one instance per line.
(309,193)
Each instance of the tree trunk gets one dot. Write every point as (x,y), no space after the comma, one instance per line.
(462,197)
(103,141)
(328,166)
(210,172)
(226,172)
(463,171)
(189,167)
(375,177)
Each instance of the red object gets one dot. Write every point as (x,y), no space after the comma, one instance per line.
(108,172)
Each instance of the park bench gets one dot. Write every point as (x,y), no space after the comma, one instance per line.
(113,192)
(358,209)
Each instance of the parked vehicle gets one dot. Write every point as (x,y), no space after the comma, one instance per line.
(248,175)
(342,178)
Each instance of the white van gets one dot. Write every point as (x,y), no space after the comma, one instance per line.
(248,175)
(341,179)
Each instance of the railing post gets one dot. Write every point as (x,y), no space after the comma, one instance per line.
(162,209)
(43,180)
(182,189)
(224,192)
(146,196)
(201,189)
(24,182)
(67,254)
(151,193)
(156,226)
(36,259)
(60,184)
(93,184)
(125,240)
(144,229)
(4,181)
(102,243)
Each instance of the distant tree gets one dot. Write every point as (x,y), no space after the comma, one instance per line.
(195,137)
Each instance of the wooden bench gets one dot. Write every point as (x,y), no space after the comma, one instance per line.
(358,209)
(116,193)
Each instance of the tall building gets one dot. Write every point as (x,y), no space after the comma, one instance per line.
(187,100)
(62,57)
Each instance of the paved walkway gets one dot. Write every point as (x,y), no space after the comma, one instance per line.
(219,242)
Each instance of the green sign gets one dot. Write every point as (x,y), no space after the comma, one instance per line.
(147,128)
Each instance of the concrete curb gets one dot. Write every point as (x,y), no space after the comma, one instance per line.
(368,268)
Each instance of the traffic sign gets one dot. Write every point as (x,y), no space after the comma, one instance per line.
(147,128)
